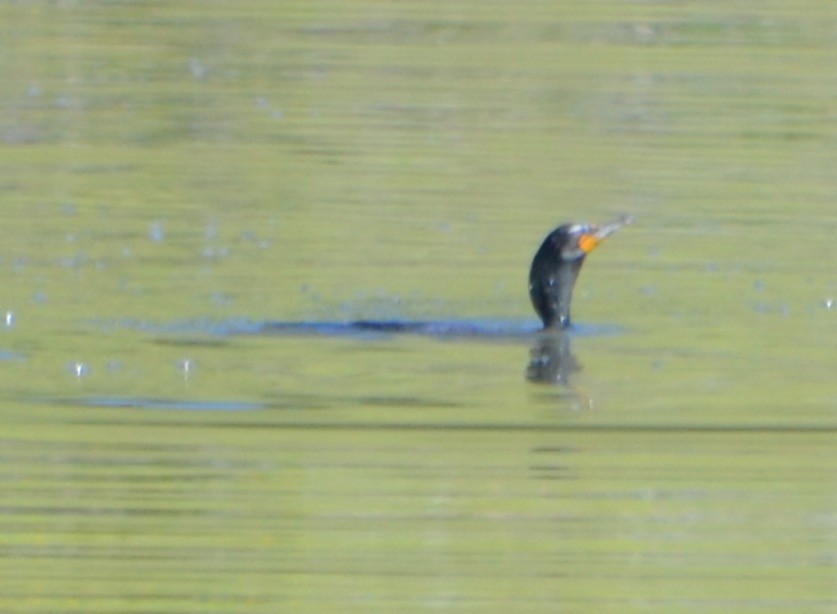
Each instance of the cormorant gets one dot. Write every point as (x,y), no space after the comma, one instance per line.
(556,266)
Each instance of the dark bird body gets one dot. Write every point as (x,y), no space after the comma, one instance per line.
(556,266)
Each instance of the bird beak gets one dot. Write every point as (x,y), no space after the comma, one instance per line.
(589,241)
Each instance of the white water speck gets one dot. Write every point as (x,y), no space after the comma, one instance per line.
(156,232)
(79,369)
(187,367)
(198,69)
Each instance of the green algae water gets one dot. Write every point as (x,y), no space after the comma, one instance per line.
(174,175)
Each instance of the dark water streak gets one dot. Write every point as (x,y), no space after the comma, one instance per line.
(453,329)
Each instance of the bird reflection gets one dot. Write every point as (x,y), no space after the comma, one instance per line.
(552,360)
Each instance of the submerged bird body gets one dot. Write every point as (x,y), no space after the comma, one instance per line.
(556,266)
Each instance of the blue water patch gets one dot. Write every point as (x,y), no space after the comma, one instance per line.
(10,356)
(451,329)
(165,404)
(488,329)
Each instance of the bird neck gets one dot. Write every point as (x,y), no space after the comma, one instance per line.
(551,284)
(567,274)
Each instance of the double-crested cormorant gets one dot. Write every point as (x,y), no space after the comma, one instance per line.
(556,266)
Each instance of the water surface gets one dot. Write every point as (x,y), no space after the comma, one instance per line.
(176,178)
